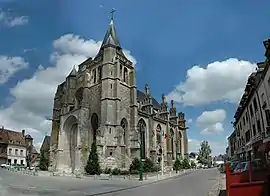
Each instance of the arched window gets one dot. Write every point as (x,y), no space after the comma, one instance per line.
(172,143)
(79,96)
(94,125)
(99,73)
(124,125)
(125,75)
(180,142)
(95,76)
(158,135)
(142,132)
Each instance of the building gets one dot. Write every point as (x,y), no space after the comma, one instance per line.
(193,157)
(45,147)
(34,158)
(16,147)
(100,103)
(3,146)
(252,119)
(232,146)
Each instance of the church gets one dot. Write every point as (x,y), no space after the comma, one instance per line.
(100,103)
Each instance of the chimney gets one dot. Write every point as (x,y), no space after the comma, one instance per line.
(23,132)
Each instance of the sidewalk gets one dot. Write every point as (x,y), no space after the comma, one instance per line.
(219,188)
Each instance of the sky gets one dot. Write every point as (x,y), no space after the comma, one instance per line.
(198,53)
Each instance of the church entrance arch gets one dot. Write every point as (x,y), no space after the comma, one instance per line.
(94,125)
(142,132)
(71,131)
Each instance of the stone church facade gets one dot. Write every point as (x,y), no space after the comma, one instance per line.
(100,102)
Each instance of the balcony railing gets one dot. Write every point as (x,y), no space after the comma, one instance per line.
(257,138)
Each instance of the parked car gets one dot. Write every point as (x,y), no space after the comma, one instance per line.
(3,165)
(244,166)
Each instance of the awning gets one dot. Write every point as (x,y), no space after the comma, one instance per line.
(265,147)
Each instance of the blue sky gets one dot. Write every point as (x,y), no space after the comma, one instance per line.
(205,49)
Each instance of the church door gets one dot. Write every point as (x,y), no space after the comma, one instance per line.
(73,144)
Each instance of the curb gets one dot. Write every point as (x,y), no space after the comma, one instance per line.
(141,185)
(216,188)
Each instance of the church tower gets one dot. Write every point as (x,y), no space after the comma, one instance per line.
(118,103)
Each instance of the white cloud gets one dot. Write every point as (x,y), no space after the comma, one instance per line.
(17,21)
(189,120)
(217,147)
(219,81)
(210,122)
(10,20)
(9,66)
(34,96)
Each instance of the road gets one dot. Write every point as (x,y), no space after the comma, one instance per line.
(194,184)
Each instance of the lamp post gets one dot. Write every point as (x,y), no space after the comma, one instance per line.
(139,132)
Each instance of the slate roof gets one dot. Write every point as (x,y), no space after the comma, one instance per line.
(46,143)
(13,137)
(141,96)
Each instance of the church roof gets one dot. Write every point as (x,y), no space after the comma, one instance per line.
(73,72)
(141,96)
(111,37)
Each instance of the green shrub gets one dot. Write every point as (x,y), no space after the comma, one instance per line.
(177,165)
(92,167)
(116,171)
(185,164)
(107,171)
(135,165)
(148,165)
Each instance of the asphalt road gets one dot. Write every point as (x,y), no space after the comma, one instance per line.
(198,183)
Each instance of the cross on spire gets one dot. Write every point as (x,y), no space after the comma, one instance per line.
(112,14)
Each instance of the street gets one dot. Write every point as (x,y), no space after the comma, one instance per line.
(196,183)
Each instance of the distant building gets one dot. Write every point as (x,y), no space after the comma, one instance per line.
(193,157)
(16,148)
(34,158)
(3,146)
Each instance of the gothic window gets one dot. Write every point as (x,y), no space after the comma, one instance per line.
(172,142)
(125,75)
(142,132)
(95,76)
(79,96)
(121,71)
(180,142)
(158,134)
(94,125)
(124,125)
(99,73)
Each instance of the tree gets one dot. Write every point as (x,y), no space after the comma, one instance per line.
(92,167)
(204,153)
(43,162)
(177,165)
(185,164)
(193,164)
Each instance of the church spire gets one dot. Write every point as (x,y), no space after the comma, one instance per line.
(111,36)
